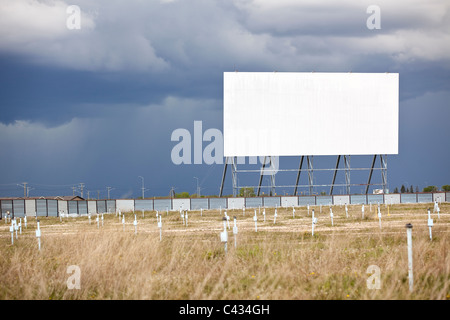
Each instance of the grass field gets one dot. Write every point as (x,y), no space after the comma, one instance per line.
(279,261)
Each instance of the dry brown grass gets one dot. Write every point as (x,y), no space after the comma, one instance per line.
(281,261)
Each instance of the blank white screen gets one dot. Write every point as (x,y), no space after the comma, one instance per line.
(290,114)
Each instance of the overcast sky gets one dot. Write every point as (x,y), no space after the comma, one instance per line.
(98,104)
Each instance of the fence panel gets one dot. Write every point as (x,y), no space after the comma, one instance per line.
(30,207)
(439,197)
(199,203)
(72,206)
(92,206)
(306,200)
(162,204)
(101,206)
(271,201)
(424,197)
(392,198)
(19,208)
(408,198)
(110,206)
(324,200)
(375,198)
(7,205)
(217,203)
(253,202)
(236,203)
(358,199)
(146,205)
(52,208)
(63,207)
(341,200)
(82,207)
(289,201)
(41,207)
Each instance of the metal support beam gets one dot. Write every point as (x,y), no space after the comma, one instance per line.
(261,176)
(298,175)
(347,173)
(223,176)
(370,174)
(234,175)
(383,161)
(334,175)
(310,174)
(272,179)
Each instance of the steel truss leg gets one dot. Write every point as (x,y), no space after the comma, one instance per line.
(334,175)
(298,175)
(223,176)
(347,173)
(370,174)
(383,161)
(261,176)
(310,174)
(234,175)
(272,180)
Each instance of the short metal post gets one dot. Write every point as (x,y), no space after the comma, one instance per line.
(11,229)
(38,235)
(314,221)
(16,227)
(331,216)
(227,219)
(235,231)
(224,234)
(379,215)
(410,256)
(430,224)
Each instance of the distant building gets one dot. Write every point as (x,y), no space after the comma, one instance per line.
(66,198)
(379,191)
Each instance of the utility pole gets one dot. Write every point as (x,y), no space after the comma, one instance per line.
(88,194)
(24,185)
(28,191)
(143,189)
(109,189)
(73,190)
(81,189)
(98,194)
(198,188)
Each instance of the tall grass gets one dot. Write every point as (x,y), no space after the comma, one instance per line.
(280,261)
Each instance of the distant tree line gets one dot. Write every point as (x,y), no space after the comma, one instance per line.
(404,189)
(250,192)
